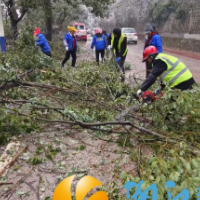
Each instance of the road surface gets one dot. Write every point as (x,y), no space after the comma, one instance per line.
(134,57)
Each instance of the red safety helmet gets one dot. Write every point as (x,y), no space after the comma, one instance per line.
(149,51)
(36,31)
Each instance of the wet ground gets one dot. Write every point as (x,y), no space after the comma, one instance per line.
(78,152)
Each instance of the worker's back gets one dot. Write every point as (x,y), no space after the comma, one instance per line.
(99,42)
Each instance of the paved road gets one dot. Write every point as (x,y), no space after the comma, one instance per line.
(134,57)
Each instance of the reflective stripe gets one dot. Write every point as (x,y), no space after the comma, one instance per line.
(173,66)
(178,75)
(176,72)
(121,39)
(125,52)
(170,63)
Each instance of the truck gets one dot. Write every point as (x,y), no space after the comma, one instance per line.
(81,31)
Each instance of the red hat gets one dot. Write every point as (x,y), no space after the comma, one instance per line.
(148,51)
(98,30)
(36,32)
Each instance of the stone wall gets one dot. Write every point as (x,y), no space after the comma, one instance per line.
(180,34)
(190,24)
(179,43)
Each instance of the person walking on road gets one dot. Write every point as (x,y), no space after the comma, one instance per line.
(70,43)
(42,42)
(117,41)
(153,39)
(99,42)
(170,70)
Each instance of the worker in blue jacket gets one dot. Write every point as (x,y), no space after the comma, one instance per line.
(153,39)
(99,42)
(42,42)
(70,43)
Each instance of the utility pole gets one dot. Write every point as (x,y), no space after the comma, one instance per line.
(2,38)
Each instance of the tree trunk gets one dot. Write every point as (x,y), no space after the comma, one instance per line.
(14,18)
(49,19)
(14,29)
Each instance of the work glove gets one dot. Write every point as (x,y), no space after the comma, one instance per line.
(109,47)
(157,92)
(67,48)
(118,59)
(139,93)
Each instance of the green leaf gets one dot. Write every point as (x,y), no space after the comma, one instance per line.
(195,163)
(20,193)
(151,178)
(154,164)
(184,185)
(187,166)
(36,161)
(42,189)
(196,181)
(49,156)
(82,147)
(123,175)
(174,176)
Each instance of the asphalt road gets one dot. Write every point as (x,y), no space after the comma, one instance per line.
(134,57)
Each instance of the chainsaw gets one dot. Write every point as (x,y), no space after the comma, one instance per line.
(150,97)
(147,97)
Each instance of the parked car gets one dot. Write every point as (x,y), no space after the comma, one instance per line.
(131,34)
(89,31)
(92,32)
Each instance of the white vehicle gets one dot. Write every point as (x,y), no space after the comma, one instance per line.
(92,32)
(131,34)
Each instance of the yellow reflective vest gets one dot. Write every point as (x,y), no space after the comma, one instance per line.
(176,73)
(121,39)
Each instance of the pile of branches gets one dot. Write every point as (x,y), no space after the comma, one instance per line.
(36,93)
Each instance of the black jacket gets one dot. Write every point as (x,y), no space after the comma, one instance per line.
(115,46)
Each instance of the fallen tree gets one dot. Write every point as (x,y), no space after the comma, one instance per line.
(90,97)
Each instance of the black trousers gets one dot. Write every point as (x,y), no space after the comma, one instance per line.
(98,52)
(48,53)
(73,54)
(148,69)
(121,64)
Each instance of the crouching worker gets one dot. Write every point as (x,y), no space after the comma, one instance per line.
(117,41)
(170,70)
(70,43)
(42,42)
(99,42)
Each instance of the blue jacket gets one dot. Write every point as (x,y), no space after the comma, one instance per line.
(69,42)
(107,35)
(156,41)
(42,42)
(99,42)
